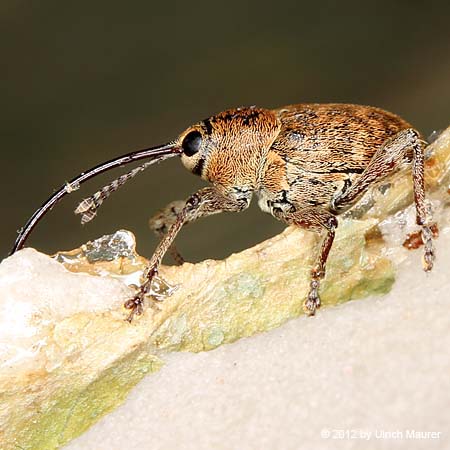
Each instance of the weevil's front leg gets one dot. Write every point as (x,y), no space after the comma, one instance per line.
(386,160)
(203,203)
(323,222)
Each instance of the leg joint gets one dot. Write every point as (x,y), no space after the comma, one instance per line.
(192,202)
(332,223)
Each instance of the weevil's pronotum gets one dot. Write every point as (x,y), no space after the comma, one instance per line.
(306,163)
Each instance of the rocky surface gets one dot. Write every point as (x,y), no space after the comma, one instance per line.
(68,356)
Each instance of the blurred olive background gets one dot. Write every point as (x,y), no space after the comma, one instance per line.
(83,82)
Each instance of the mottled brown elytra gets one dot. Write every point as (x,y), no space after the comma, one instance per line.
(306,163)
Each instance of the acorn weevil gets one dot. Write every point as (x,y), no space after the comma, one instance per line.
(306,163)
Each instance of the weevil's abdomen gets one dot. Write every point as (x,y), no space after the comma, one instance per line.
(322,147)
(334,137)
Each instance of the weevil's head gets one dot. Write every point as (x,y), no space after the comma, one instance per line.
(228,149)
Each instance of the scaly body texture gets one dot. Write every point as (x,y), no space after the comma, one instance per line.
(322,148)
(306,163)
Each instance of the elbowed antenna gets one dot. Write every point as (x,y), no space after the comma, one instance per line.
(88,207)
(156,154)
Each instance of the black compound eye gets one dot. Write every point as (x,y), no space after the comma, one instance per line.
(192,143)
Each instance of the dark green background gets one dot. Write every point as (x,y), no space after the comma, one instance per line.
(82,82)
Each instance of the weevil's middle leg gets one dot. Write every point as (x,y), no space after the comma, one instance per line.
(312,302)
(318,220)
(387,159)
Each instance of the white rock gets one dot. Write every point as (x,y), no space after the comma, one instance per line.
(379,364)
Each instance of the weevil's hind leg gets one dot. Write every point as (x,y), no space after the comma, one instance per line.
(386,160)
(320,221)
(161,222)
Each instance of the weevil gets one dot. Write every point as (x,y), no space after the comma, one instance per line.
(306,163)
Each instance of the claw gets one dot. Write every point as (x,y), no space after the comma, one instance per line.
(429,255)
(136,306)
(313,301)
